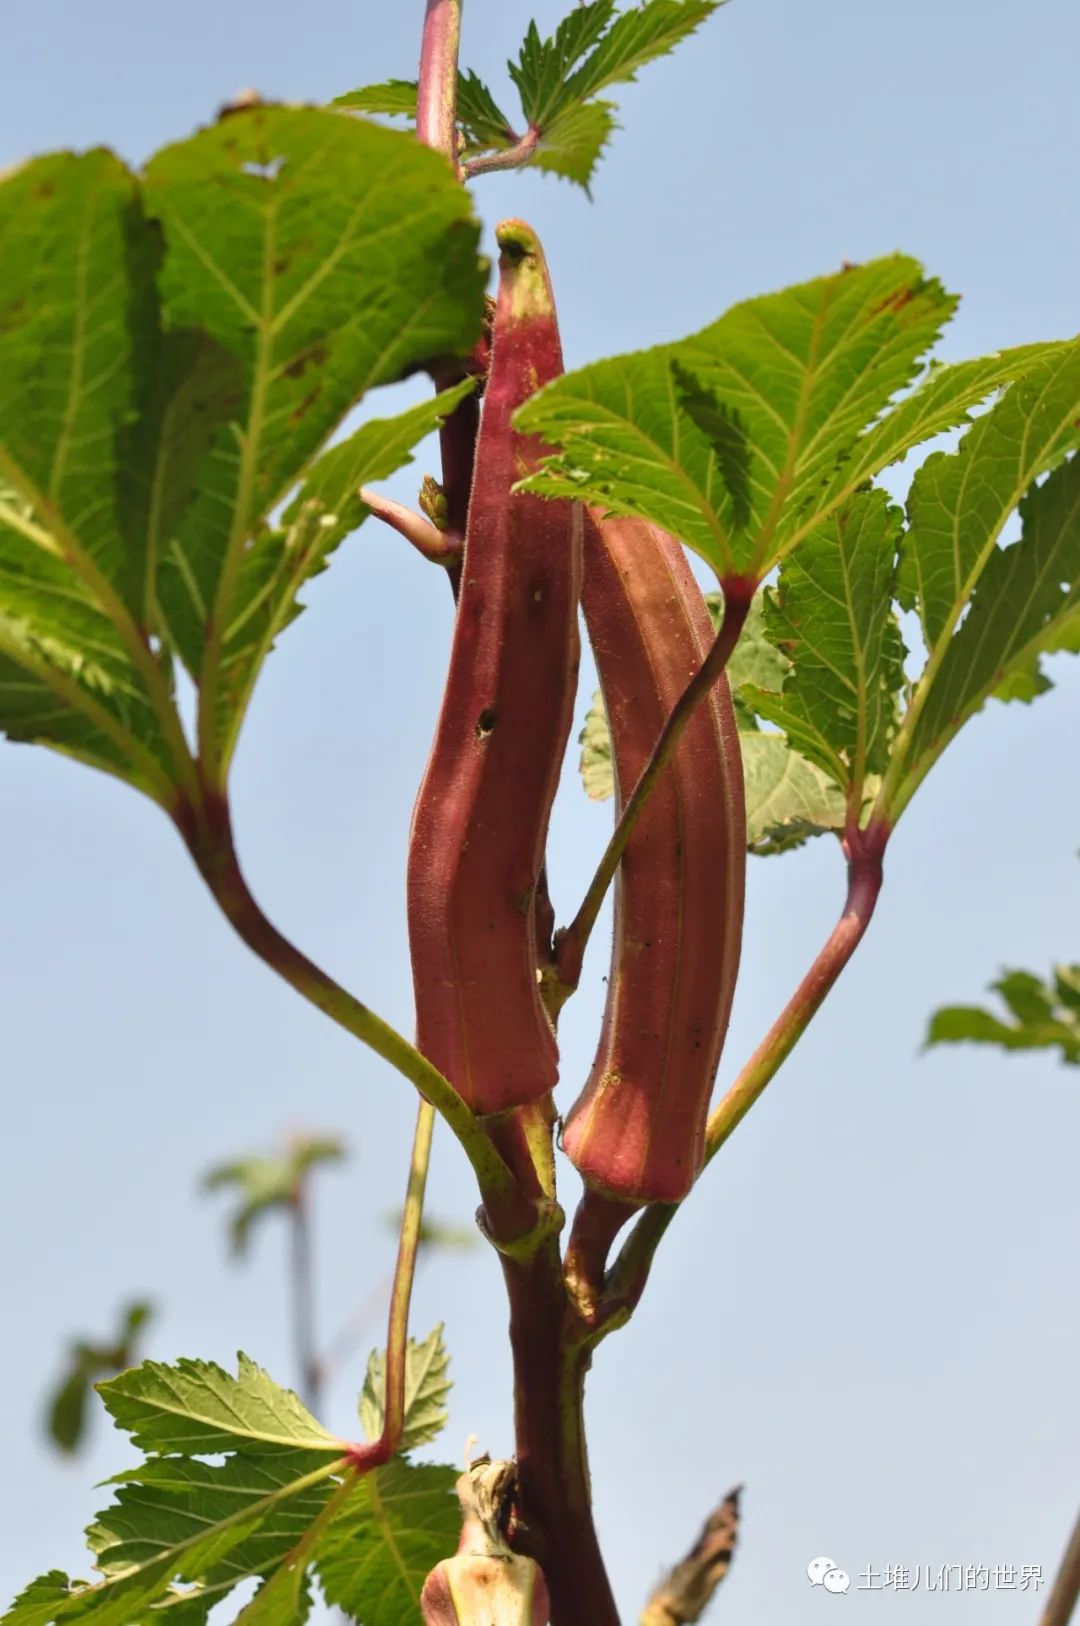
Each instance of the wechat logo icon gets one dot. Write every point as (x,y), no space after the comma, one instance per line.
(827,1573)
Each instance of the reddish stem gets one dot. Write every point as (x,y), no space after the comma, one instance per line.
(865,852)
(553,1472)
(436,95)
(571,943)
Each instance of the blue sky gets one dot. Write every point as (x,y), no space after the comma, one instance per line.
(867,1313)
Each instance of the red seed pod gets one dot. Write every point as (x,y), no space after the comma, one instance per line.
(637,1130)
(481,817)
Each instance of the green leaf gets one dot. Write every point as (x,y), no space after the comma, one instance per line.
(543,65)
(197,1408)
(41,1601)
(426,1388)
(831,616)
(1044,1016)
(788,799)
(481,121)
(800,374)
(960,502)
(182,1533)
(395,97)
(571,144)
(639,35)
(397,1525)
(326,255)
(551,74)
(79,379)
(1026,604)
(267,1184)
(325,511)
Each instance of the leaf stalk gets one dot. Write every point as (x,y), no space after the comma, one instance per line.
(571,942)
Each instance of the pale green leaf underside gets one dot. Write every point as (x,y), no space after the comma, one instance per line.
(788,799)
(196,1407)
(427,1384)
(803,373)
(1040,1016)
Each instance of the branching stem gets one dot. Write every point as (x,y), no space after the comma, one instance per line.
(486,163)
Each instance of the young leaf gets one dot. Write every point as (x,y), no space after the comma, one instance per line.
(394,1528)
(788,799)
(1044,1016)
(793,380)
(426,1388)
(79,375)
(571,144)
(585,55)
(327,255)
(832,617)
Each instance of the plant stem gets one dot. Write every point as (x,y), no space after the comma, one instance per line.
(207,831)
(426,539)
(571,943)
(549,1383)
(865,851)
(436,95)
(302,1284)
(486,163)
(397,1331)
(1066,1588)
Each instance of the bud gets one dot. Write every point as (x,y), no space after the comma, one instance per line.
(485,1583)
